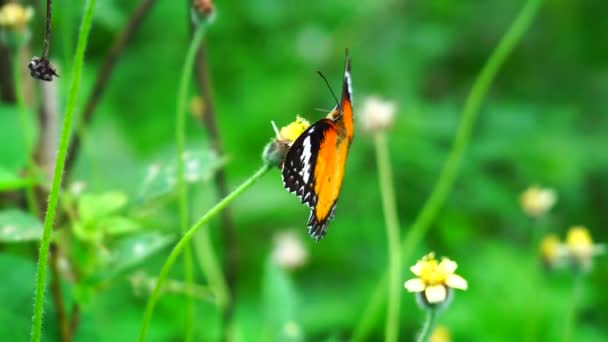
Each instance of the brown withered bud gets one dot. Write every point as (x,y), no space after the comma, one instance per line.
(204,7)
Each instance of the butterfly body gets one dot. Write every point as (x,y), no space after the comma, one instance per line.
(313,168)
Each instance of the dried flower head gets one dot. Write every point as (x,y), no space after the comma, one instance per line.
(15,17)
(275,151)
(552,250)
(537,201)
(41,68)
(289,251)
(435,280)
(580,248)
(377,114)
(204,10)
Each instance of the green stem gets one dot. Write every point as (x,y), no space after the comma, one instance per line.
(27,129)
(209,265)
(577,290)
(429,325)
(536,280)
(180,135)
(392,235)
(183,242)
(58,173)
(450,170)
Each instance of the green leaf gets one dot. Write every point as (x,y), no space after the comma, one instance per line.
(118,225)
(131,252)
(11,181)
(93,207)
(161,178)
(18,226)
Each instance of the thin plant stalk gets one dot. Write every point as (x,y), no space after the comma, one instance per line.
(30,195)
(180,135)
(58,173)
(537,226)
(185,240)
(207,260)
(577,291)
(450,170)
(392,234)
(429,325)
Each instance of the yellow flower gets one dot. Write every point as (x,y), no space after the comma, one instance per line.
(15,16)
(580,247)
(275,151)
(536,201)
(435,279)
(291,132)
(551,250)
(377,114)
(441,334)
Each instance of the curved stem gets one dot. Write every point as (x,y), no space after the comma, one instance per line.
(58,173)
(450,170)
(392,235)
(429,325)
(180,135)
(185,240)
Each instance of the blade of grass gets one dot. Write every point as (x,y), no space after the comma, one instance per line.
(58,173)
(448,175)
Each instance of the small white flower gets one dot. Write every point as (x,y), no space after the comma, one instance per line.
(580,247)
(377,114)
(435,279)
(289,251)
(76,188)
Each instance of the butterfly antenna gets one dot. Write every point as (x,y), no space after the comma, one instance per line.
(276,129)
(329,86)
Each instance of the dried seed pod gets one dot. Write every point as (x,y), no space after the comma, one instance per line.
(41,68)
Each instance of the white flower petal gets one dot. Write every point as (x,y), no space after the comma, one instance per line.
(448,265)
(417,269)
(414,285)
(456,282)
(435,294)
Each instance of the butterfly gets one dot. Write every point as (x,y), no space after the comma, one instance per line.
(313,167)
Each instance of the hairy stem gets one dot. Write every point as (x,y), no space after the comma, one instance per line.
(450,170)
(185,240)
(58,173)
(429,325)
(47,29)
(103,77)
(392,234)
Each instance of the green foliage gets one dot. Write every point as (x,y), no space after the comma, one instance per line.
(543,122)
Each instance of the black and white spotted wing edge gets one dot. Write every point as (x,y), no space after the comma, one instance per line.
(298,170)
(318,229)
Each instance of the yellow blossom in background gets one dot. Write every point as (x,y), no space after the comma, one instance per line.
(14,16)
(551,249)
(435,279)
(441,334)
(537,201)
(580,247)
(377,114)
(292,131)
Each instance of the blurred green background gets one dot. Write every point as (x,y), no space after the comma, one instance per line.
(543,122)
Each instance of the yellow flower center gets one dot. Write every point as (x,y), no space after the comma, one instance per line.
(432,272)
(292,131)
(549,248)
